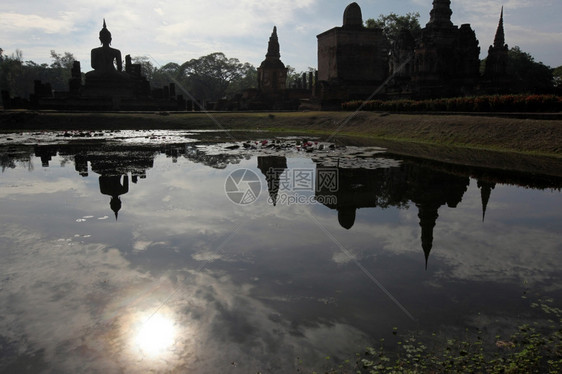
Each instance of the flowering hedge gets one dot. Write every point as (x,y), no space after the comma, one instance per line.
(497,103)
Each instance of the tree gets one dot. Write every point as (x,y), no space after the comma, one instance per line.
(166,74)
(17,76)
(557,75)
(11,74)
(147,69)
(247,79)
(392,24)
(62,61)
(528,75)
(60,71)
(209,77)
(292,76)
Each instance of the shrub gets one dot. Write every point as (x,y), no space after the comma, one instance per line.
(491,103)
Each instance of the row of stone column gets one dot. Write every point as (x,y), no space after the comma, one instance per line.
(307,80)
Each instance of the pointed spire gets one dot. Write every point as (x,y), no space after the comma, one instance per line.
(485,193)
(273,46)
(104,25)
(499,40)
(428,217)
(496,63)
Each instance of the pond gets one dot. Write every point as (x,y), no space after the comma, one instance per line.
(166,251)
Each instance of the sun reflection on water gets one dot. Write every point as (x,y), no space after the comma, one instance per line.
(155,335)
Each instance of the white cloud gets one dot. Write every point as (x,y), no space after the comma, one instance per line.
(46,187)
(492,7)
(50,280)
(81,305)
(23,22)
(522,35)
(177,31)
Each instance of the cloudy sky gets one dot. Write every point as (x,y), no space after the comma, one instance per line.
(179,30)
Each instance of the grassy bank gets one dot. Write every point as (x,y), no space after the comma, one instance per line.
(451,138)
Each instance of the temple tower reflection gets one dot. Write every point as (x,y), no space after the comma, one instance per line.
(428,218)
(272,167)
(427,188)
(485,193)
(430,189)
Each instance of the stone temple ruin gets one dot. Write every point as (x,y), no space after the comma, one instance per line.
(357,63)
(108,86)
(352,59)
(446,57)
(354,63)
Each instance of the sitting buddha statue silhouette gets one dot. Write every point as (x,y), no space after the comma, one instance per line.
(103,58)
(107,78)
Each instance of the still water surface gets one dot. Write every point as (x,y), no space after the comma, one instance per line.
(126,257)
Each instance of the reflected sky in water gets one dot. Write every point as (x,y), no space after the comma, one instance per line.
(131,260)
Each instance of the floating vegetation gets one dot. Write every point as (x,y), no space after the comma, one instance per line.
(534,347)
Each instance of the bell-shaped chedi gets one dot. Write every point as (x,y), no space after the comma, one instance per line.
(352,16)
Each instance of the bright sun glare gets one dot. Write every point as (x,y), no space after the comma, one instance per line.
(155,335)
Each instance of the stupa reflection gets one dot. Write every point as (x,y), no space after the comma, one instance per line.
(427,188)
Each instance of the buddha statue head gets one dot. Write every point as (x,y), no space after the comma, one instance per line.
(105,35)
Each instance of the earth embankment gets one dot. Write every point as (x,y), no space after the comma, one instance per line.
(452,138)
